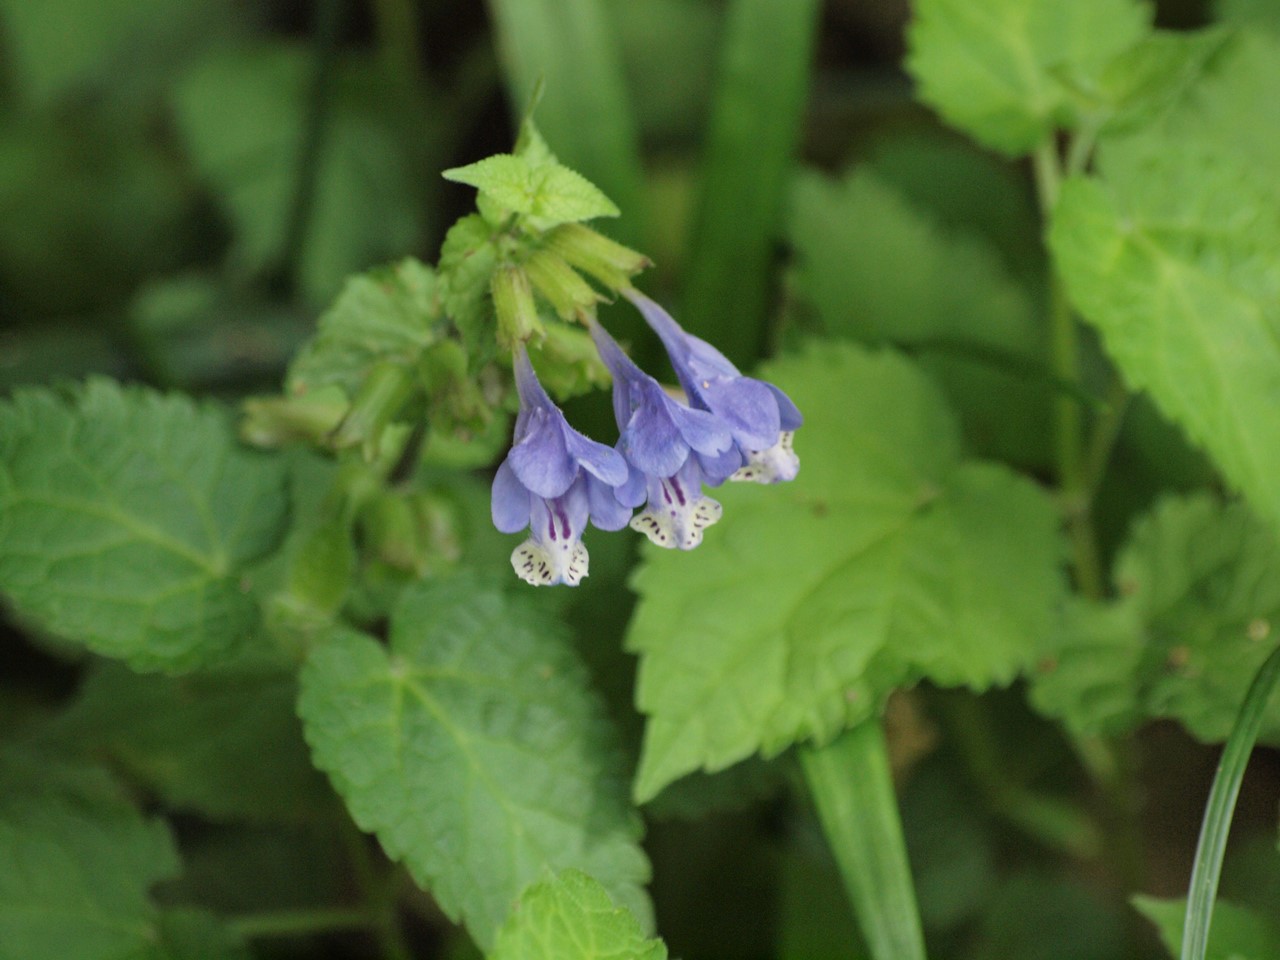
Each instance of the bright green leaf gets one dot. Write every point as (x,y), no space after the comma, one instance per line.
(887,560)
(79,861)
(996,68)
(474,750)
(226,747)
(877,269)
(1199,584)
(1150,77)
(127,520)
(581,96)
(1238,933)
(545,192)
(241,116)
(1086,676)
(571,917)
(386,314)
(1170,254)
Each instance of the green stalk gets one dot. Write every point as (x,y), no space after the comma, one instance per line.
(300,923)
(1068,414)
(852,789)
(1207,868)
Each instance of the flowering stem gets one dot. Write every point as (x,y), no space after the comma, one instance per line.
(852,788)
(1218,811)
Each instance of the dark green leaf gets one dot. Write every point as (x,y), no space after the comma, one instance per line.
(227,747)
(241,115)
(127,520)
(79,861)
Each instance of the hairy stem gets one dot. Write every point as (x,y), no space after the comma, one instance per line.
(1220,808)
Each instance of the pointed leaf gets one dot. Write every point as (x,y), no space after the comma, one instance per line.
(1170,254)
(1200,600)
(887,560)
(474,749)
(128,519)
(546,192)
(996,68)
(385,314)
(79,861)
(571,917)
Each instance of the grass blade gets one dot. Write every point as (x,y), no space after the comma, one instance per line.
(1220,808)
(755,126)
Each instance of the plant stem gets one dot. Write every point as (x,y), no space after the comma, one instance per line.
(311,145)
(294,923)
(1218,811)
(379,893)
(852,788)
(1068,414)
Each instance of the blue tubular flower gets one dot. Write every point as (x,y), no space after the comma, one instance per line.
(553,481)
(761,417)
(671,449)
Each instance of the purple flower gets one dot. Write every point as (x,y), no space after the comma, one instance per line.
(553,481)
(760,417)
(671,450)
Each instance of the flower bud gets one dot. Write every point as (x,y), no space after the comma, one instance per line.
(569,295)
(513,302)
(595,254)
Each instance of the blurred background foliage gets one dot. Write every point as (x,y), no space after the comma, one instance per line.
(184,185)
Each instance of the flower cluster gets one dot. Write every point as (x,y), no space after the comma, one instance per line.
(726,427)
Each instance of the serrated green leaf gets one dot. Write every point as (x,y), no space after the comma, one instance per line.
(474,750)
(1170,254)
(1200,594)
(582,101)
(241,115)
(386,314)
(571,917)
(1138,85)
(1086,675)
(880,270)
(467,262)
(996,68)
(888,559)
(127,520)
(228,747)
(543,191)
(1238,933)
(79,861)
